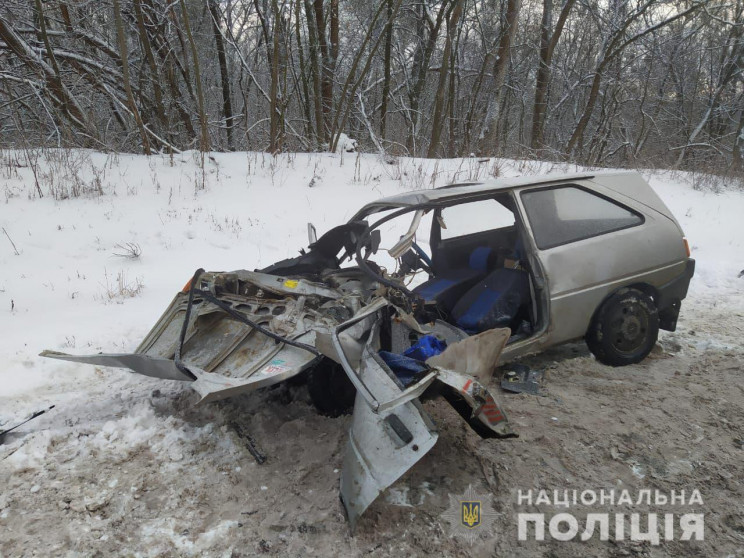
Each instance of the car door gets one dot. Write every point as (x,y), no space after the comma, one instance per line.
(589,245)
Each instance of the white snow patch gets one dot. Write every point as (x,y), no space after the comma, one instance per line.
(163,530)
(346,144)
(63,293)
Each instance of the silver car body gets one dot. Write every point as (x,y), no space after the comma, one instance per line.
(235,332)
(572,280)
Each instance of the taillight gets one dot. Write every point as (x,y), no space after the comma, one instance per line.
(687,246)
(187,286)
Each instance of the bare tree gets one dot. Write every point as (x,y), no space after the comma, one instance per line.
(437,123)
(227,110)
(616,83)
(549,38)
(487,139)
(204,138)
(125,74)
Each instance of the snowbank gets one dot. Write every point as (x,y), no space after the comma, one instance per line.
(75,285)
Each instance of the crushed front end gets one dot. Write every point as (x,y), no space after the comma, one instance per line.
(234,332)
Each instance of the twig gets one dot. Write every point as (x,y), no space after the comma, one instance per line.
(130,250)
(11,452)
(493,484)
(32,417)
(11,241)
(250,443)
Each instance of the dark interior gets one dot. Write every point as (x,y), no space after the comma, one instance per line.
(467,251)
(480,281)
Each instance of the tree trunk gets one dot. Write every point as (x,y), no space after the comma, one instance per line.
(154,73)
(438,119)
(451,105)
(488,137)
(225,78)
(421,68)
(548,42)
(326,85)
(125,73)
(315,65)
(333,51)
(204,139)
(305,97)
(737,154)
(386,68)
(274,91)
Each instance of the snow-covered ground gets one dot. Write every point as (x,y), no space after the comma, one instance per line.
(123,463)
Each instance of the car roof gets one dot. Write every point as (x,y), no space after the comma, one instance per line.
(453,192)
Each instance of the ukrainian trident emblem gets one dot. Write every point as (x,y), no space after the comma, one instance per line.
(470,514)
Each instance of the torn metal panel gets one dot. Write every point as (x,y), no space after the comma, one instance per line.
(155,367)
(279,365)
(221,356)
(285,285)
(382,445)
(476,356)
(485,408)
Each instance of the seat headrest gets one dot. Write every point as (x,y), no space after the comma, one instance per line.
(479,258)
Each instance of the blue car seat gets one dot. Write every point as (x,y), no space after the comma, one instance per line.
(496,301)
(450,284)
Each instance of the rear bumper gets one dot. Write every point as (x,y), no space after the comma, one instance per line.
(670,296)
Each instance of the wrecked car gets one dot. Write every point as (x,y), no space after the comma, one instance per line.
(424,294)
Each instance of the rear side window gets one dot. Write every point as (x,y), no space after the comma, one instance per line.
(475,217)
(567,214)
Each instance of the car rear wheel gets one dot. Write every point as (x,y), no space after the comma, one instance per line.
(331,391)
(624,329)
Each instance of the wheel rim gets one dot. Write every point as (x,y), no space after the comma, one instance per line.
(629,328)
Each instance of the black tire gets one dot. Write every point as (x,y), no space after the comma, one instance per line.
(624,329)
(331,391)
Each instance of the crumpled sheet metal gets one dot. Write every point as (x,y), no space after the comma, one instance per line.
(221,357)
(386,441)
(390,431)
(382,445)
(155,367)
(475,356)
